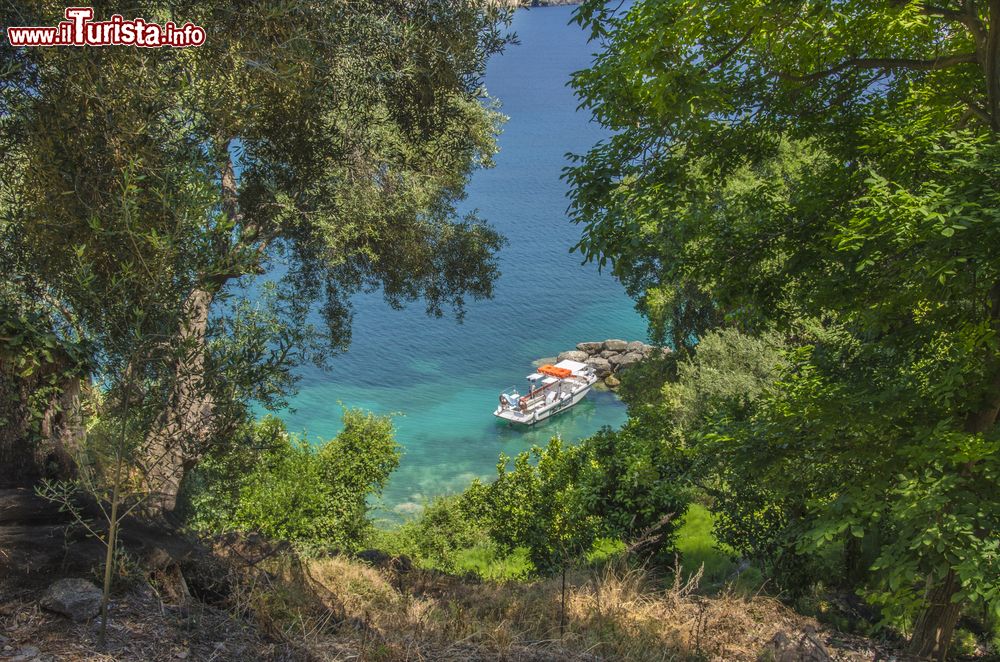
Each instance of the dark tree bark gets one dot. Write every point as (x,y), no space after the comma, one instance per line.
(935,627)
(41,423)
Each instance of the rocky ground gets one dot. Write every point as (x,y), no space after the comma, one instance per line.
(243,598)
(49,595)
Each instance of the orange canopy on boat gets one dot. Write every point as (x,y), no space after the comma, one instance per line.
(552,371)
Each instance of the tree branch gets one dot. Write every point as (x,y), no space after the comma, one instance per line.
(943,12)
(992,66)
(935,64)
(974,24)
(732,51)
(967,16)
(977,111)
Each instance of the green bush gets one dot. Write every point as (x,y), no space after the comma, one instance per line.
(963,642)
(558,502)
(435,538)
(449,537)
(269,481)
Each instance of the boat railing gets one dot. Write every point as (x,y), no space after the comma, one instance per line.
(539,392)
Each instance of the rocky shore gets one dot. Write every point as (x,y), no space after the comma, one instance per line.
(610,357)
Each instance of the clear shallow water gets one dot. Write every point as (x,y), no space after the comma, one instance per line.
(442,378)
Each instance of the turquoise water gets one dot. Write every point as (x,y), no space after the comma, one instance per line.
(442,378)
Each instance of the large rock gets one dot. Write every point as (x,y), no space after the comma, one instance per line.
(796,647)
(74,598)
(601,366)
(636,346)
(608,353)
(590,347)
(619,361)
(615,345)
(612,381)
(26,654)
(651,350)
(573,355)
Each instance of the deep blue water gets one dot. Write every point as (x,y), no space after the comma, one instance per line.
(441,377)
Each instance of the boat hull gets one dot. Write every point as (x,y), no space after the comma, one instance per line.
(542,413)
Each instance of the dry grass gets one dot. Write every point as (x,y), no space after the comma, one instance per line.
(342,609)
(280,607)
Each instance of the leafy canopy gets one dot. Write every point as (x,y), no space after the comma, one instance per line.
(827,171)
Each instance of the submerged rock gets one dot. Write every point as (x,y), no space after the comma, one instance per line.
(612,382)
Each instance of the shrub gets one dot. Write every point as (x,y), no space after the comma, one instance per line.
(436,539)
(285,488)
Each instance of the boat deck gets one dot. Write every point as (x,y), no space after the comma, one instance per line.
(556,394)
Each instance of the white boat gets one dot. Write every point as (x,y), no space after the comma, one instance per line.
(552,389)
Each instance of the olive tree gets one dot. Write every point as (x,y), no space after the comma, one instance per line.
(329,141)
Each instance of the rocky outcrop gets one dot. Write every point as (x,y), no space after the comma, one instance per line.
(615,345)
(611,357)
(602,367)
(573,355)
(624,359)
(590,347)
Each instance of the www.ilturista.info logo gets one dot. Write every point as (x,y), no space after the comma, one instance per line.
(79,30)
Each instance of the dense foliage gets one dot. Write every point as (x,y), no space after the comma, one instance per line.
(328,142)
(803,198)
(557,501)
(827,172)
(274,483)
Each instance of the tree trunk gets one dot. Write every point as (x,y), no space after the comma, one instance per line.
(934,628)
(186,424)
(41,422)
(992,68)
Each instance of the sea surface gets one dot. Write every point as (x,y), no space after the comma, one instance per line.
(441,379)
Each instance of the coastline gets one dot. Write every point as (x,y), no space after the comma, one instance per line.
(608,357)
